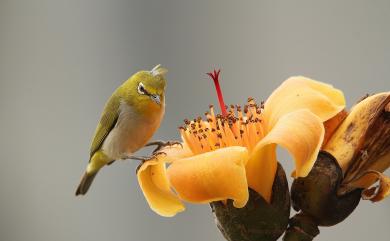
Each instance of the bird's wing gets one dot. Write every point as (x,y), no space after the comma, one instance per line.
(106,124)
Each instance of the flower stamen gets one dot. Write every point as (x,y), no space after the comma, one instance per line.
(217,131)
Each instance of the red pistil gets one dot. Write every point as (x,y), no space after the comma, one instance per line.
(214,75)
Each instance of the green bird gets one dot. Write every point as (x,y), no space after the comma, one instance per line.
(130,117)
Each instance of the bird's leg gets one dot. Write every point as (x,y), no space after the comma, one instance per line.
(161,144)
(144,158)
(139,158)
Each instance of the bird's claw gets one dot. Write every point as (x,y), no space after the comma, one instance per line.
(161,144)
(145,159)
(157,153)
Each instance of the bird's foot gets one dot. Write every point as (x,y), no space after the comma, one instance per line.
(161,144)
(144,159)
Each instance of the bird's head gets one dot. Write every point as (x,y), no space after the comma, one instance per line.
(145,89)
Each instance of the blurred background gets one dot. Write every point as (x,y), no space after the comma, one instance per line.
(61,60)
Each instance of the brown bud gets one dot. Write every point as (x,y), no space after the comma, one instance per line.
(258,220)
(316,194)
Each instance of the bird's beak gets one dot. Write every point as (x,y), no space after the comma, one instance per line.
(156,98)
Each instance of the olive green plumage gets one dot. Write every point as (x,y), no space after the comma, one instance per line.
(129,119)
(106,124)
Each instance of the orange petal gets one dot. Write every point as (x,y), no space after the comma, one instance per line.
(301,133)
(155,186)
(261,170)
(303,93)
(332,124)
(212,176)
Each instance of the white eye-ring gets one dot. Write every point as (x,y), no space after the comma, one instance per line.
(141,89)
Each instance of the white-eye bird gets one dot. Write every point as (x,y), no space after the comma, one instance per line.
(130,117)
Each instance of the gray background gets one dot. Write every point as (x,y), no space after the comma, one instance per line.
(60,60)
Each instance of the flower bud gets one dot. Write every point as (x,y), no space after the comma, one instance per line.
(258,220)
(316,194)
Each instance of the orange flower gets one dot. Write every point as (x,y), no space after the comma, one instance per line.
(225,154)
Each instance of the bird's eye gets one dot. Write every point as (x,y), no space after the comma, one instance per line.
(141,89)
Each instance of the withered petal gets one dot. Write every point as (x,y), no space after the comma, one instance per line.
(366,181)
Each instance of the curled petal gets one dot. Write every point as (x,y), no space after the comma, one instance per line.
(303,93)
(301,133)
(376,193)
(155,186)
(212,176)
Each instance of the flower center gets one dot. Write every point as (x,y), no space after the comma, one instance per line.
(237,128)
(233,128)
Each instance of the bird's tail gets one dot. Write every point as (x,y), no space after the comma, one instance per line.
(98,160)
(85,183)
